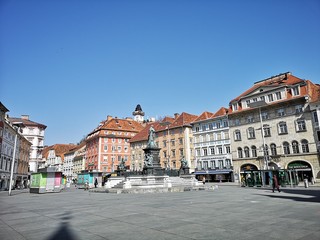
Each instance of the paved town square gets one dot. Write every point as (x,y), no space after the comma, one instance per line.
(226,212)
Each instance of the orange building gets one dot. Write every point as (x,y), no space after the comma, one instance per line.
(108,144)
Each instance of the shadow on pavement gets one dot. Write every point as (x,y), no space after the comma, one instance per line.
(64,232)
(314,195)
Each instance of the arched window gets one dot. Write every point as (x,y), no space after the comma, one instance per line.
(254,151)
(246,152)
(286,148)
(295,147)
(305,146)
(240,155)
(273,148)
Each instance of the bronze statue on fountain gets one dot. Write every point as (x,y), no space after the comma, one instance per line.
(151,156)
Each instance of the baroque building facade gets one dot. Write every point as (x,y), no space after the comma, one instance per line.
(108,144)
(272,129)
(14,152)
(35,133)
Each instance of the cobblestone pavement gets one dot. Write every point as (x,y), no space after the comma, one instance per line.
(219,212)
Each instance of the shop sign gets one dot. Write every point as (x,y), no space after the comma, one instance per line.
(298,166)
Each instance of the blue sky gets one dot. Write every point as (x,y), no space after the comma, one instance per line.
(68,64)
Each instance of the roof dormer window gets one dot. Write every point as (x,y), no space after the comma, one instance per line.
(234,106)
(295,91)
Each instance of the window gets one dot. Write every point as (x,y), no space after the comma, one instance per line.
(266,130)
(315,117)
(246,152)
(283,128)
(295,147)
(262,98)
(218,136)
(240,152)
(228,150)
(197,129)
(251,133)
(218,125)
(212,150)
(173,153)
(220,163)
(198,152)
(205,152)
(235,107)
(220,150)
(305,146)
(225,123)
(164,142)
(270,98)
(105,148)
(210,126)
(173,142)
(273,149)
(226,135)
(181,152)
(280,112)
(237,122)
(228,163)
(278,95)
(180,141)
(286,148)
(295,91)
(205,164)
(301,125)
(264,115)
(165,154)
(213,164)
(237,135)
(298,109)
(250,119)
(204,127)
(254,151)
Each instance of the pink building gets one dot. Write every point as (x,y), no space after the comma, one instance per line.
(108,144)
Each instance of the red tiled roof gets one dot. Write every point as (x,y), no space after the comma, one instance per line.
(144,133)
(59,149)
(204,116)
(279,80)
(183,119)
(282,80)
(221,112)
(117,124)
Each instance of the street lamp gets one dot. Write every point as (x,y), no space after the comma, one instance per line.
(16,126)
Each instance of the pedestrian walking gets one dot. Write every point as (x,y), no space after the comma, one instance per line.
(96,183)
(275,184)
(204,180)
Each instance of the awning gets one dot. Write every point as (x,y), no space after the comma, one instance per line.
(212,172)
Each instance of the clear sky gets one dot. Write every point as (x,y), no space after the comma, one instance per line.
(68,64)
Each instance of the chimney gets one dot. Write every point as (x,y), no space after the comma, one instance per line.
(176,115)
(109,117)
(25,117)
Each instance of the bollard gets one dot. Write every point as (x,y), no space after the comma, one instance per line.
(306,183)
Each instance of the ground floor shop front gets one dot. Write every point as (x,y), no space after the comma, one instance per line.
(295,173)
